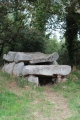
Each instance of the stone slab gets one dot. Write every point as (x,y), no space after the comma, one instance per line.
(33,79)
(17,70)
(8,68)
(32,57)
(9,57)
(46,70)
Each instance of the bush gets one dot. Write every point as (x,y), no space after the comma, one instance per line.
(29,41)
(52,45)
(63,56)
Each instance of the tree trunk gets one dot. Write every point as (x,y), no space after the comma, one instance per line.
(71,36)
(1,49)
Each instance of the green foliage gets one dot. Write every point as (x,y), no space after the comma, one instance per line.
(65,11)
(16,33)
(29,41)
(23,25)
(9,23)
(63,54)
(52,45)
(8,104)
(78,66)
(40,17)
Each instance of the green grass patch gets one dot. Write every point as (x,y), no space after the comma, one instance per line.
(31,104)
(12,106)
(22,82)
(6,76)
(71,90)
(8,103)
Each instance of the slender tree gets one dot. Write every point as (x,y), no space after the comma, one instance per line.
(72,28)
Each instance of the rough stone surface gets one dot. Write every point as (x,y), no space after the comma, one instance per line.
(8,68)
(46,58)
(33,79)
(59,79)
(78,11)
(10,56)
(54,63)
(32,58)
(20,56)
(17,70)
(47,70)
(18,67)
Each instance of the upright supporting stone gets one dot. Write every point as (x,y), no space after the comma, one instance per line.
(59,78)
(17,70)
(8,68)
(34,79)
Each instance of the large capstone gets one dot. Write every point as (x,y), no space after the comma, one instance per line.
(46,58)
(47,70)
(32,58)
(9,57)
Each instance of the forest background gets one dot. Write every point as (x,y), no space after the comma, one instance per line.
(24,24)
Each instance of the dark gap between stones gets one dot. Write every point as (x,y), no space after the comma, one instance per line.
(44,80)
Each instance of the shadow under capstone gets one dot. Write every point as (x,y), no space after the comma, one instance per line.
(44,80)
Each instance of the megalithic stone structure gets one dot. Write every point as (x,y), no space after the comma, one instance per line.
(32,58)
(46,70)
(9,57)
(46,65)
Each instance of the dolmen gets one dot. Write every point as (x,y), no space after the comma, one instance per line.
(32,58)
(33,65)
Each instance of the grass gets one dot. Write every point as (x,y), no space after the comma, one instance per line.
(25,102)
(71,91)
